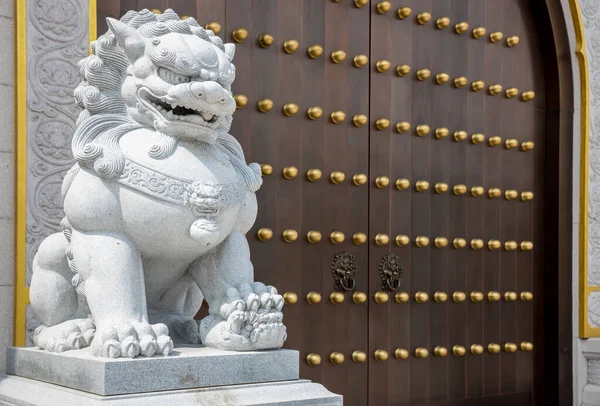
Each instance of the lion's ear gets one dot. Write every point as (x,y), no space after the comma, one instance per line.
(128,38)
(230,51)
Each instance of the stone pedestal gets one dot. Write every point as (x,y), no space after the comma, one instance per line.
(194,376)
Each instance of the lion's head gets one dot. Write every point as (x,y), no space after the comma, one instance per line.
(180,76)
(159,72)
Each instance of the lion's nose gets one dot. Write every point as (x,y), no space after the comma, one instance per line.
(210,92)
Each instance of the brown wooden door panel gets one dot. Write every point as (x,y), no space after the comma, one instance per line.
(473,218)
(282,141)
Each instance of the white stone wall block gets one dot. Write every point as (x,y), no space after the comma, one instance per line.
(7,257)
(7,188)
(7,118)
(7,44)
(6,322)
(7,8)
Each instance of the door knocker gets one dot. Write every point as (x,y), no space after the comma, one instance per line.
(390,272)
(344,270)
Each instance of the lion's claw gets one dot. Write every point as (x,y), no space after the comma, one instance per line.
(111,349)
(148,346)
(165,345)
(130,348)
(251,319)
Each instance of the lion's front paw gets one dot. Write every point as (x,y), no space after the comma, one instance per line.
(250,319)
(131,340)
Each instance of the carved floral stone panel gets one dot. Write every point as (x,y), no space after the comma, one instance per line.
(590,10)
(57,38)
(594,309)
(594,371)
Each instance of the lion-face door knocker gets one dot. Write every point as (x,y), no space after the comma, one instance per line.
(344,270)
(390,272)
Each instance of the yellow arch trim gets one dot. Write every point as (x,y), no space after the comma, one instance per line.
(21,291)
(585,330)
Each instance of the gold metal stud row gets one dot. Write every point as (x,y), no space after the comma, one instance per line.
(314,174)
(339,116)
(291,109)
(457,297)
(290,46)
(461,81)
(314,298)
(458,243)
(337,358)
(461,189)
(338,237)
(442,23)
(359,179)
(460,135)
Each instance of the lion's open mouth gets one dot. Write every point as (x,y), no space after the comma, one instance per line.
(175,112)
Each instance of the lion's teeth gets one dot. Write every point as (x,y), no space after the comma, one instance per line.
(206,116)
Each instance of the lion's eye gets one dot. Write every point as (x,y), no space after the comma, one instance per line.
(171,77)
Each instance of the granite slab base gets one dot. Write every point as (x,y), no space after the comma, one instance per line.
(186,367)
(27,392)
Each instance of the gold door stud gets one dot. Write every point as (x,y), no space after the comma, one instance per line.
(265,40)
(383,7)
(336,358)
(290,46)
(423,18)
(442,22)
(479,32)
(461,28)
(361,60)
(338,56)
(239,34)
(404,12)
(315,51)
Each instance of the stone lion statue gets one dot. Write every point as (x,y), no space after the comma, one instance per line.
(157,206)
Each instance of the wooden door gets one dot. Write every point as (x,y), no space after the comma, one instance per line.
(436,183)
(475,248)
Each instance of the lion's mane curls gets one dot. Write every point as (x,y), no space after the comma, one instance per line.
(104,119)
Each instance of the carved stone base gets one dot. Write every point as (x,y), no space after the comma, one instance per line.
(21,391)
(591,390)
(185,368)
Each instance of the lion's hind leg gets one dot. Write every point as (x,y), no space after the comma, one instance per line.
(55,300)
